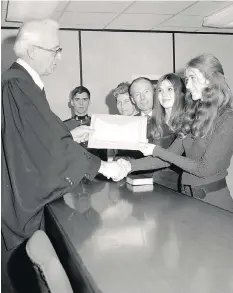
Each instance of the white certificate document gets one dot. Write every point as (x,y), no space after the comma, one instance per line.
(117,132)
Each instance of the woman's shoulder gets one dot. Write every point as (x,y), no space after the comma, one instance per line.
(225,120)
(227,115)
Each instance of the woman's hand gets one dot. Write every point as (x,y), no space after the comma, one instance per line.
(146,148)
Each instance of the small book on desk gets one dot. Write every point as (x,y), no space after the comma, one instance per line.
(140,179)
(140,188)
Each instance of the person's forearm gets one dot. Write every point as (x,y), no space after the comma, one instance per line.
(150,163)
(184,163)
(147,163)
(203,166)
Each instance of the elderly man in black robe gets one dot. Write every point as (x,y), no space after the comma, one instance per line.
(40,159)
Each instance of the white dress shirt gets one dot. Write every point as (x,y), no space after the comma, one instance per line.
(149,114)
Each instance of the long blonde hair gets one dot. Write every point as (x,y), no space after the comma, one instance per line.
(217,97)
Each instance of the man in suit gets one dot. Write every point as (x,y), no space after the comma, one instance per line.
(40,160)
(141,92)
(123,101)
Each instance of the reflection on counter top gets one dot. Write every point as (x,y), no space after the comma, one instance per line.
(158,241)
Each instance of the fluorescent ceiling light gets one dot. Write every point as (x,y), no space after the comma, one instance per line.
(220,19)
(22,11)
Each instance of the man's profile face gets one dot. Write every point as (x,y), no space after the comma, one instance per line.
(80,102)
(46,55)
(124,105)
(142,94)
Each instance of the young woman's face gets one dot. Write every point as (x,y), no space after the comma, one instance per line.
(195,82)
(166,94)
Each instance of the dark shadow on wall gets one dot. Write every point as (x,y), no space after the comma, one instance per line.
(8,55)
(111,103)
(70,106)
(180,72)
(154,82)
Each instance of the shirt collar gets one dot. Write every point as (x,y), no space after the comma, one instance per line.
(35,76)
(80,117)
(135,113)
(149,114)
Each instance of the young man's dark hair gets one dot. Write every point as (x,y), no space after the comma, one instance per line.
(80,90)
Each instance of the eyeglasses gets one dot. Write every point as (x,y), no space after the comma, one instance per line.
(55,51)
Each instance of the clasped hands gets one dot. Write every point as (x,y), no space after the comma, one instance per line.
(117,170)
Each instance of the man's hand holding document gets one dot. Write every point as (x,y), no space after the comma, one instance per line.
(81,133)
(117,132)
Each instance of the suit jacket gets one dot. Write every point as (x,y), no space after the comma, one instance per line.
(40,160)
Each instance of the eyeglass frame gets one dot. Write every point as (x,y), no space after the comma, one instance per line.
(55,51)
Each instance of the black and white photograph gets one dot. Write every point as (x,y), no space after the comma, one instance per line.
(117,146)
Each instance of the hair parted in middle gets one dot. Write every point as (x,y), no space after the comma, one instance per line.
(158,114)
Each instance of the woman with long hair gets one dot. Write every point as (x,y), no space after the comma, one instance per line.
(205,137)
(165,122)
(169,100)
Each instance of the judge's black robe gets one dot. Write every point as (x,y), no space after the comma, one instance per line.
(40,160)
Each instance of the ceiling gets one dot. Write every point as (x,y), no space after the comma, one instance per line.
(122,15)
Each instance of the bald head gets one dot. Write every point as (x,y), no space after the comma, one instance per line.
(34,37)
